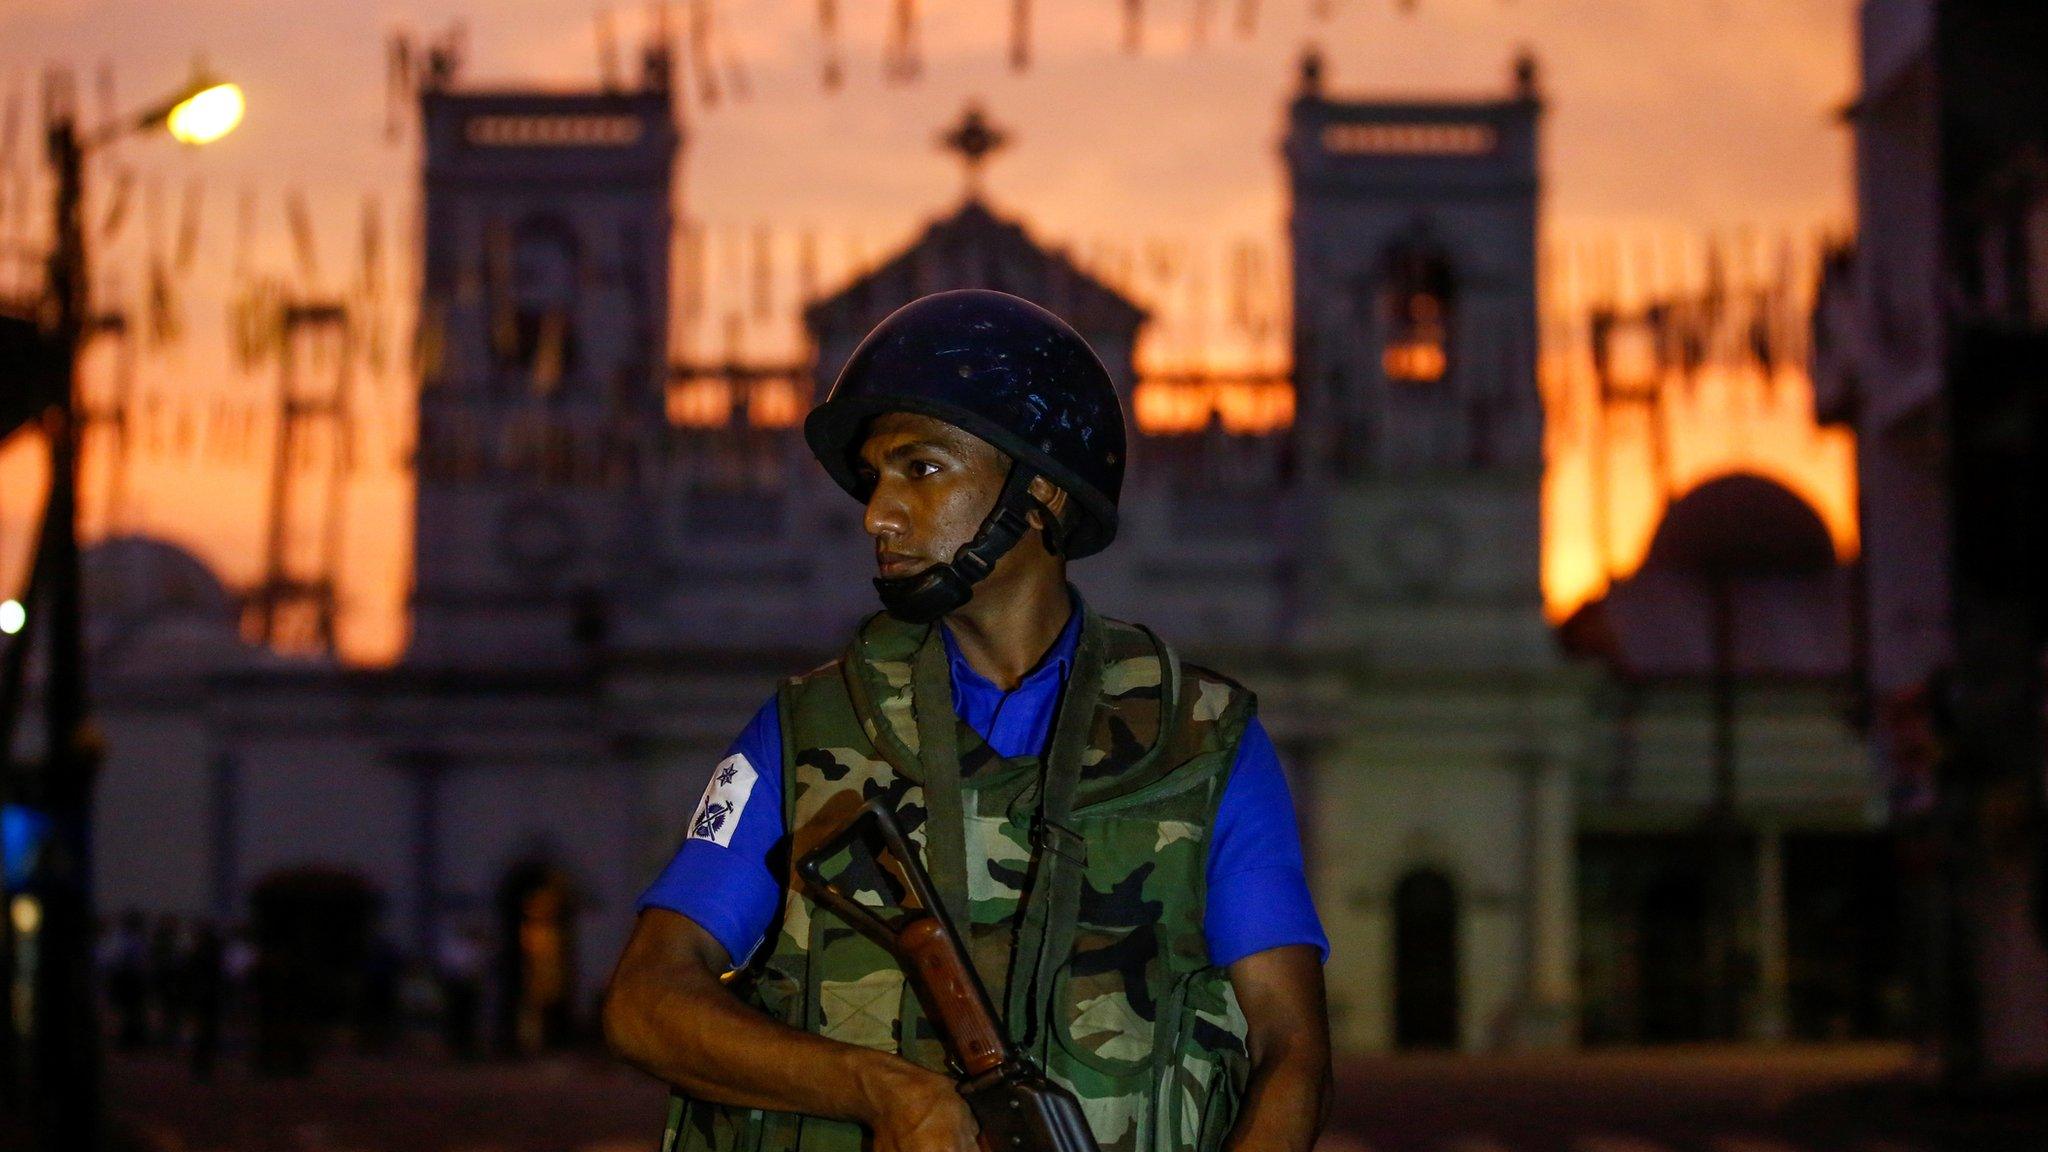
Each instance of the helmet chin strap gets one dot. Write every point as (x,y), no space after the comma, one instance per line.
(923,597)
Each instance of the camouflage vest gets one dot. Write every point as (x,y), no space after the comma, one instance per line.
(1088,936)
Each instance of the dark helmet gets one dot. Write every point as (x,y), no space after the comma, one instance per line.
(1001,368)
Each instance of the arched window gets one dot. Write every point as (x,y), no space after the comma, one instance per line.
(533,276)
(1414,304)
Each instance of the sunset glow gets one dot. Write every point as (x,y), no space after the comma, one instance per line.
(1157,164)
(1732,423)
(1243,408)
(1414,362)
(770,403)
(700,404)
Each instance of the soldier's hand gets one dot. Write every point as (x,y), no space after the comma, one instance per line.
(916,1110)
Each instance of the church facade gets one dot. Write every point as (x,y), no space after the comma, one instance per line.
(603,594)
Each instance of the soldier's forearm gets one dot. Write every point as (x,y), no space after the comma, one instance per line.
(1288,1034)
(711,1046)
(667,1014)
(1286,1102)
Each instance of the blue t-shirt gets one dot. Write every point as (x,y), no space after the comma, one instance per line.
(1258,894)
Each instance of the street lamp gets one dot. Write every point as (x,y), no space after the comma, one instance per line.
(206,115)
(65,1079)
(204,110)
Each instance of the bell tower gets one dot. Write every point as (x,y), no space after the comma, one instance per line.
(1413,226)
(543,348)
(1414,229)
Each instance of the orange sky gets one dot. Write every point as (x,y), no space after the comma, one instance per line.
(1665,119)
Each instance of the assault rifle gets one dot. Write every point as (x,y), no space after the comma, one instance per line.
(1018,1108)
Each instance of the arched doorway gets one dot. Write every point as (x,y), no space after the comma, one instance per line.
(1426,961)
(1676,994)
(536,958)
(312,927)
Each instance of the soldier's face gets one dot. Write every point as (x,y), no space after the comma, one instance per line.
(933,485)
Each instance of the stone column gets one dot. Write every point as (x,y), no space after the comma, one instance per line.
(1768,1020)
(426,771)
(1549,1016)
(224,837)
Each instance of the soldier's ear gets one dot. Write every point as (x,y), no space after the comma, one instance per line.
(1049,494)
(1049,500)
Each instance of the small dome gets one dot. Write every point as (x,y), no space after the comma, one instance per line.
(131,580)
(1741,524)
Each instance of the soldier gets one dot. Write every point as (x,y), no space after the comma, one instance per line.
(1110,825)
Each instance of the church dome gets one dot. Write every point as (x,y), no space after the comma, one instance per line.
(154,610)
(1740,524)
(136,579)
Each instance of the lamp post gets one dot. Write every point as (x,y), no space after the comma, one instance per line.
(63,1019)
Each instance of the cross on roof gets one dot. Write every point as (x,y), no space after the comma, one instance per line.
(975,139)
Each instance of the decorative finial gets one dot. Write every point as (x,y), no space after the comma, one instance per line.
(1312,71)
(975,139)
(1528,75)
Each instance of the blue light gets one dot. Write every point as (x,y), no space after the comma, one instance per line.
(22,831)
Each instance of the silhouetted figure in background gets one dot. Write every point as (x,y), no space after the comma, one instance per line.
(238,967)
(377,1011)
(128,982)
(167,979)
(205,995)
(284,1005)
(313,927)
(460,965)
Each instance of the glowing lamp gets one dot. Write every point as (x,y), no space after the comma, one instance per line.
(206,115)
(28,915)
(12,616)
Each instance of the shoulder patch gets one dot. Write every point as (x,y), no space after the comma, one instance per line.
(724,800)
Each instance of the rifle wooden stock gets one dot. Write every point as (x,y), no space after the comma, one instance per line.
(953,996)
(1018,1107)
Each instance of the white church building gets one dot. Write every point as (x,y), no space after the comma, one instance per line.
(602,595)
